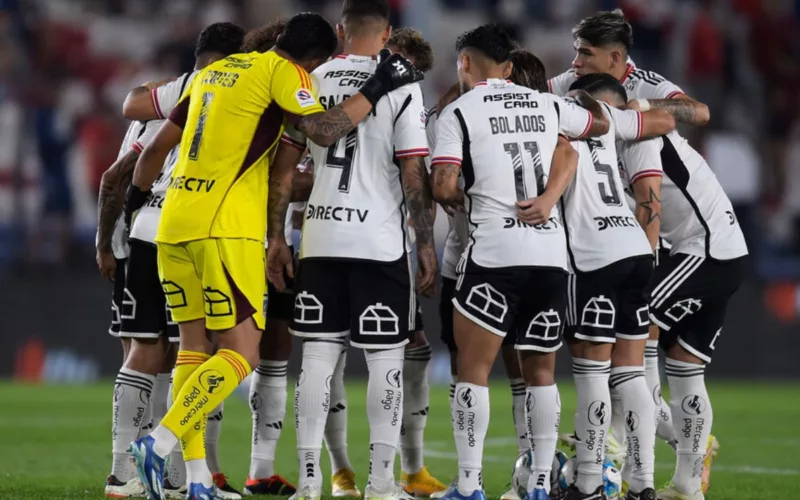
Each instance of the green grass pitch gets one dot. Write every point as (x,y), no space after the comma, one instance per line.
(55,440)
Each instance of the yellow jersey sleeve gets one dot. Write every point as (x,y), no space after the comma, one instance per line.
(293,91)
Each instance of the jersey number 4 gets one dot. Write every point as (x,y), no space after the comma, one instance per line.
(194,147)
(532,148)
(608,188)
(348,143)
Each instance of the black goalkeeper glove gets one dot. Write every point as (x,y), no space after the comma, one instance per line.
(393,72)
(135,199)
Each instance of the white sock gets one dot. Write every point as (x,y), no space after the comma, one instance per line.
(471,411)
(593,417)
(640,412)
(518,412)
(132,391)
(665,428)
(543,414)
(311,404)
(176,467)
(384,412)
(336,425)
(617,427)
(416,397)
(213,428)
(161,394)
(268,406)
(691,411)
(197,472)
(453,382)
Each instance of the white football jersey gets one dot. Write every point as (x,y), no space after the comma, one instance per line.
(503,136)
(697,217)
(601,229)
(165,98)
(639,84)
(456,239)
(357,206)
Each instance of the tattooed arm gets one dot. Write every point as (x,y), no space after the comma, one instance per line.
(139,103)
(113,184)
(647,193)
(683,108)
(281,172)
(599,123)
(417,189)
(324,129)
(444,185)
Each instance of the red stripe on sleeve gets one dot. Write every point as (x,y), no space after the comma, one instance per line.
(639,125)
(156,105)
(674,94)
(646,173)
(588,125)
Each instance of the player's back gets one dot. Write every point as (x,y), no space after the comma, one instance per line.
(219,185)
(509,135)
(356,208)
(601,229)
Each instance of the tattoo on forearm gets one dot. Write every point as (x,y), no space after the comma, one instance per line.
(651,209)
(326,128)
(280,195)
(444,174)
(416,187)
(682,110)
(112,197)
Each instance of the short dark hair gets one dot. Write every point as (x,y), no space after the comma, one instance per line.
(308,36)
(605,28)
(224,38)
(412,43)
(594,83)
(263,39)
(360,10)
(528,70)
(489,39)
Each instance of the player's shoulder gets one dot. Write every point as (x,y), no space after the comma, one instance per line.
(559,84)
(641,76)
(331,65)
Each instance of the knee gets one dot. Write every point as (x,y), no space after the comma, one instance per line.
(320,357)
(276,343)
(538,369)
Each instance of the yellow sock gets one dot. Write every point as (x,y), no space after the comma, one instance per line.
(207,387)
(192,442)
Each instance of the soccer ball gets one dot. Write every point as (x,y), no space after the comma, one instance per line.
(612,479)
(522,472)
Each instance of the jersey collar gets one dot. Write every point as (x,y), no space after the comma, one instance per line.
(355,58)
(629,67)
(495,83)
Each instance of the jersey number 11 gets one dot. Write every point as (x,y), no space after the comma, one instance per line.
(532,148)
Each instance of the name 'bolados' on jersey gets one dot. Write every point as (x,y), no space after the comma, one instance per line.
(356,209)
(601,229)
(503,136)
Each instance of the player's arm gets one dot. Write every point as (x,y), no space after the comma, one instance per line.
(657,92)
(565,163)
(142,103)
(643,161)
(632,125)
(578,122)
(446,162)
(110,199)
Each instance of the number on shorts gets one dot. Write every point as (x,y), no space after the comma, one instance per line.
(513,149)
(608,191)
(345,162)
(194,148)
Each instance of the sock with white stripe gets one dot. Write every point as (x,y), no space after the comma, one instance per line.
(416,397)
(336,425)
(268,407)
(471,409)
(132,391)
(176,467)
(311,401)
(640,411)
(518,412)
(543,414)
(593,416)
(691,410)
(665,429)
(213,429)
(384,412)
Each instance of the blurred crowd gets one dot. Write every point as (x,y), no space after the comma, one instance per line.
(66,66)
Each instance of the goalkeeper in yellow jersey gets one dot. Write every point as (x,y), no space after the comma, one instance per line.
(211,234)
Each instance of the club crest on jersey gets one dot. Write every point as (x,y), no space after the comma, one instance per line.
(305,98)
(422,116)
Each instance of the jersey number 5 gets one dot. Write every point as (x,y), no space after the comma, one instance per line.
(194,148)
(608,190)
(344,162)
(532,148)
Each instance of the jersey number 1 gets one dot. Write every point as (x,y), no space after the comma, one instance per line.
(194,148)
(532,148)
(344,162)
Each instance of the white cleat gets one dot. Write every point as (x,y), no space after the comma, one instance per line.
(440,494)
(393,492)
(117,489)
(510,495)
(308,492)
(670,492)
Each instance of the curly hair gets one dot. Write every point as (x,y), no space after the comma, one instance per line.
(411,43)
(263,39)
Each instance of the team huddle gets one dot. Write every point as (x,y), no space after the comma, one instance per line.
(576,213)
